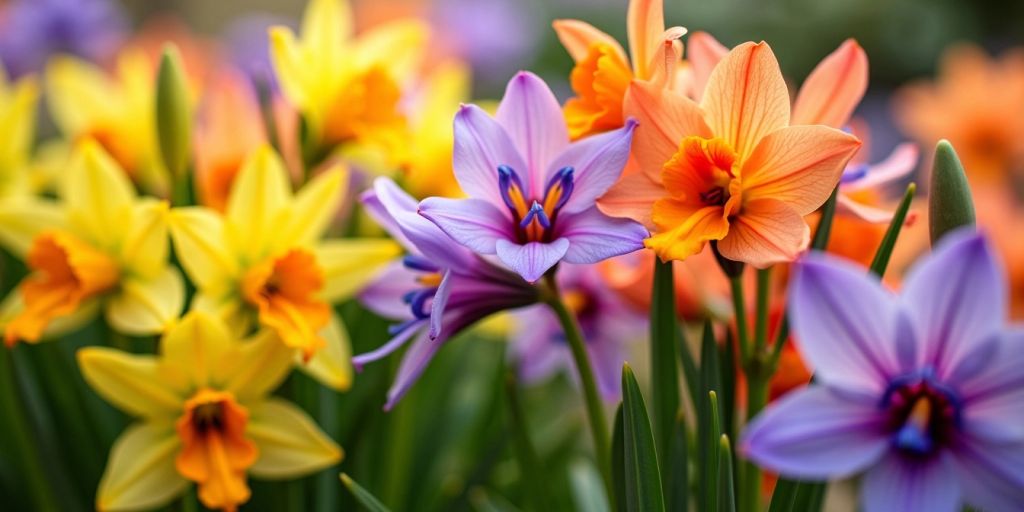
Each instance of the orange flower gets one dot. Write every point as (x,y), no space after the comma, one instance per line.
(603,71)
(974,104)
(731,170)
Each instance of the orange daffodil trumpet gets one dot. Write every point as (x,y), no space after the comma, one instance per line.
(261,264)
(603,71)
(730,170)
(100,247)
(204,417)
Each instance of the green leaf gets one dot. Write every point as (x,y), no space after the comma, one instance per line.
(884,252)
(679,464)
(367,500)
(173,113)
(706,418)
(643,478)
(711,468)
(726,487)
(949,202)
(828,212)
(619,461)
(664,365)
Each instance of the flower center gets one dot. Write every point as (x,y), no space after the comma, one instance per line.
(366,108)
(535,219)
(214,450)
(923,414)
(66,272)
(703,173)
(284,290)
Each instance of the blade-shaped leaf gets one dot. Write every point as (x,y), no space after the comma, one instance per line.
(643,478)
(726,487)
(367,500)
(664,369)
(884,252)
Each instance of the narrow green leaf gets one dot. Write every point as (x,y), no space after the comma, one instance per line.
(727,380)
(367,500)
(726,487)
(619,461)
(709,382)
(664,369)
(949,201)
(690,371)
(711,469)
(824,230)
(679,480)
(884,252)
(643,478)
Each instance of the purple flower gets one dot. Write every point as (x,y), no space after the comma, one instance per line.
(924,392)
(33,30)
(858,177)
(539,345)
(438,289)
(531,192)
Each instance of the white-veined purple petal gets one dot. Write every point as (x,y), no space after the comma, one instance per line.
(594,236)
(816,433)
(481,145)
(533,119)
(899,484)
(991,475)
(597,163)
(474,223)
(533,259)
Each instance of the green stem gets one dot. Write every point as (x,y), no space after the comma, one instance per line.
(595,409)
(531,470)
(750,480)
(664,369)
(740,308)
(764,282)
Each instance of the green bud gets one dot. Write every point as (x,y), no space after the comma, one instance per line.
(949,204)
(173,113)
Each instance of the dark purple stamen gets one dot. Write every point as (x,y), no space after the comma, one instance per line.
(415,262)
(536,211)
(507,177)
(713,197)
(563,178)
(854,173)
(918,436)
(418,302)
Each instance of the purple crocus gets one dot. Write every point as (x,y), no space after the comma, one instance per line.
(538,341)
(923,392)
(438,289)
(532,192)
(33,30)
(859,177)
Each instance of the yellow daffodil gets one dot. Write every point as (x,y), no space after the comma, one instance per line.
(261,264)
(204,417)
(99,247)
(17,127)
(348,88)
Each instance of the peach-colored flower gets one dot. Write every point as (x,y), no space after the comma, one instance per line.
(732,169)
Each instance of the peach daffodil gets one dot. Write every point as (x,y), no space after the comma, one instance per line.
(204,417)
(603,71)
(731,170)
(100,247)
(262,263)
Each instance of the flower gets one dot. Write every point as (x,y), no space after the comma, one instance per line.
(438,289)
(531,192)
(18,101)
(861,183)
(921,391)
(262,263)
(99,247)
(204,416)
(967,105)
(539,345)
(603,71)
(731,170)
(348,89)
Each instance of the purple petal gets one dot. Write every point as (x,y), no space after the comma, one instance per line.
(991,475)
(481,145)
(594,236)
(845,322)
(474,223)
(414,362)
(535,344)
(384,350)
(532,117)
(816,433)
(379,211)
(993,392)
(439,302)
(533,259)
(597,163)
(904,484)
(606,356)
(384,295)
(898,164)
(870,214)
(957,299)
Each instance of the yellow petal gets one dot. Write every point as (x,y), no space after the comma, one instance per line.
(78,93)
(326,25)
(332,364)
(397,45)
(199,242)
(17,121)
(146,244)
(145,306)
(257,366)
(195,347)
(290,443)
(291,64)
(314,208)
(258,198)
(98,195)
(140,472)
(238,316)
(349,264)
(133,383)
(22,219)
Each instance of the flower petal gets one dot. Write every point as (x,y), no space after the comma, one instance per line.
(899,483)
(594,237)
(703,52)
(257,366)
(993,392)
(957,299)
(798,165)
(578,36)
(384,294)
(766,232)
(140,472)
(845,323)
(22,219)
(348,264)
(291,66)
(665,117)
(384,197)
(474,223)
(195,347)
(834,89)
(597,163)
(332,364)
(685,229)
(991,475)
(142,307)
(481,145)
(415,360)
(645,24)
(439,302)
(199,242)
(901,162)
(533,119)
(870,214)
(97,194)
(259,194)
(816,433)
(315,206)
(133,383)
(290,443)
(146,245)
(533,259)
(746,97)
(632,197)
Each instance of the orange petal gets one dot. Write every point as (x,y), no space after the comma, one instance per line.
(798,165)
(667,57)
(632,197)
(834,88)
(645,24)
(686,228)
(665,118)
(746,97)
(577,37)
(765,233)
(703,52)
